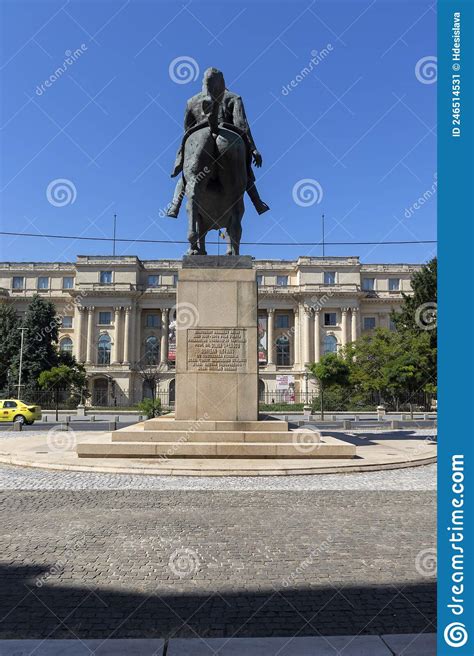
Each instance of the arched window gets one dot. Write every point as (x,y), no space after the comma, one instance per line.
(330,344)
(103,350)
(65,345)
(152,350)
(261,390)
(283,351)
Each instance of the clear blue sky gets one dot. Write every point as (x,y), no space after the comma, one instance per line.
(361,124)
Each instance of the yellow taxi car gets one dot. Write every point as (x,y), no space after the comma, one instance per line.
(15,410)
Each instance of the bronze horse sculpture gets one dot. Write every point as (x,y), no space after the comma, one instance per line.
(215,174)
(215,159)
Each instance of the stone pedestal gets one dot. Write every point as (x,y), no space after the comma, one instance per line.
(216,349)
(217,387)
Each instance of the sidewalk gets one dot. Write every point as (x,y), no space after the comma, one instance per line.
(386,645)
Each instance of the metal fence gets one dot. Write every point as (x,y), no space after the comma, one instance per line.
(276,400)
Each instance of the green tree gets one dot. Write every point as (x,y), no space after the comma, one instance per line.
(72,379)
(40,351)
(329,371)
(418,313)
(9,344)
(394,366)
(368,357)
(419,308)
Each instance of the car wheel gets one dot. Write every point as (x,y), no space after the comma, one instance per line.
(19,419)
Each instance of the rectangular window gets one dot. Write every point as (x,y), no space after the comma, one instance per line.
(68,282)
(368,284)
(330,319)
(175,279)
(105,318)
(394,284)
(152,321)
(282,320)
(282,281)
(153,281)
(329,277)
(259,280)
(105,277)
(18,282)
(66,322)
(369,323)
(43,282)
(392,324)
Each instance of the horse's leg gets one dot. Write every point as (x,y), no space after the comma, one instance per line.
(202,237)
(228,241)
(193,223)
(235,232)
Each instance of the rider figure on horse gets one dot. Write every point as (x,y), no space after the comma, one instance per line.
(230,115)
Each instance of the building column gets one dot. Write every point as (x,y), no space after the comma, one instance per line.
(90,334)
(317,334)
(270,335)
(116,343)
(165,315)
(296,336)
(344,312)
(79,341)
(306,335)
(138,333)
(355,324)
(126,335)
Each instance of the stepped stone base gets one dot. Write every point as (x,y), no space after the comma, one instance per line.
(168,438)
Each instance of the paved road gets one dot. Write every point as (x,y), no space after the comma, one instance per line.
(131,563)
(6,429)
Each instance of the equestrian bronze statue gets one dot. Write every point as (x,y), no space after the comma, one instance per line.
(215,159)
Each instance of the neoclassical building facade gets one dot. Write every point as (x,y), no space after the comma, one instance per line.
(118,311)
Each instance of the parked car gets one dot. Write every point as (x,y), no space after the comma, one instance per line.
(15,410)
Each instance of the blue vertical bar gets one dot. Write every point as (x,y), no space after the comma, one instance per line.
(455,317)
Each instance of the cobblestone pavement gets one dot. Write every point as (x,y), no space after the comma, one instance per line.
(157,563)
(24,478)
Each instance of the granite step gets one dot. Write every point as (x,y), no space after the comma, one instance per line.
(213,436)
(217,425)
(333,449)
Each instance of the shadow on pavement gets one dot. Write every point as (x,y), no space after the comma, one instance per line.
(33,605)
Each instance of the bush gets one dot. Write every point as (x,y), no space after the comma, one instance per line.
(149,407)
(339,399)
